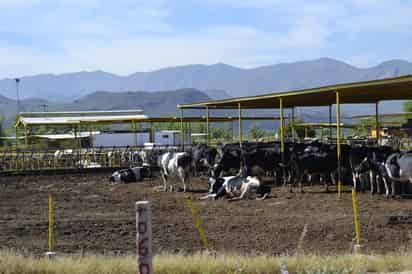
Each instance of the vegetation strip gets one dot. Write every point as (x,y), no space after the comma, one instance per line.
(12,262)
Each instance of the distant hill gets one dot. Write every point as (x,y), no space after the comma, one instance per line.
(153,103)
(218,81)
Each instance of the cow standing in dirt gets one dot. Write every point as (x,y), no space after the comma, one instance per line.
(175,166)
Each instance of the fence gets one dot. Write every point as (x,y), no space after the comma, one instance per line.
(12,160)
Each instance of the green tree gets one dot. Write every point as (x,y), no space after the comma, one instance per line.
(256,132)
(407,106)
(364,127)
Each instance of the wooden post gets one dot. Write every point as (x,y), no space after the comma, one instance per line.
(338,135)
(144,237)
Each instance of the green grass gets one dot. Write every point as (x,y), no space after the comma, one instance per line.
(13,263)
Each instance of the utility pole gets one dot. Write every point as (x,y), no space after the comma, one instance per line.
(17,95)
(44,106)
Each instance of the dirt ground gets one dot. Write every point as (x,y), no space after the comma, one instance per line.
(94,216)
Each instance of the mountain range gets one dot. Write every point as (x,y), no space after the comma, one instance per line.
(159,91)
(218,80)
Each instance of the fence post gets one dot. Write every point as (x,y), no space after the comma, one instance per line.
(356,221)
(50,254)
(144,237)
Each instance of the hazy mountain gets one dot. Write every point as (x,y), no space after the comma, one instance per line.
(159,103)
(235,81)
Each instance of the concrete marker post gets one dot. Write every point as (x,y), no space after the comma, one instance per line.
(144,237)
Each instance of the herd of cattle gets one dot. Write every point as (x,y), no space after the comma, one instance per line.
(249,170)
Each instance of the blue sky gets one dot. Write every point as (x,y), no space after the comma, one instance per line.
(125,36)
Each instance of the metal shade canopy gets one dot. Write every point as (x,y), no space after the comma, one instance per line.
(398,88)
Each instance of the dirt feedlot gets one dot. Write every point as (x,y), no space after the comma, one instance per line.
(94,216)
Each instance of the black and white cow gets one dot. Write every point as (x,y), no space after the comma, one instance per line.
(398,167)
(175,166)
(203,158)
(236,188)
(317,160)
(129,175)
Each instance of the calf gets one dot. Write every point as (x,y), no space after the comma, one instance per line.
(175,166)
(128,175)
(236,188)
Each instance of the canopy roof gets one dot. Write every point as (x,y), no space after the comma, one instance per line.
(324,125)
(35,119)
(385,115)
(398,88)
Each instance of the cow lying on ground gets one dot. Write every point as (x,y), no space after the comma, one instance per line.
(130,175)
(175,166)
(236,188)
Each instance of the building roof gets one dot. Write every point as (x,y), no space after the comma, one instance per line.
(398,88)
(66,136)
(83,117)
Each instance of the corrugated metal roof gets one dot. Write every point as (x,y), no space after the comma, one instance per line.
(398,88)
(70,120)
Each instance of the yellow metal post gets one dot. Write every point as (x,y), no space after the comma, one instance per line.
(51,224)
(198,222)
(91,135)
(356,216)
(207,126)
(182,131)
(338,148)
(282,134)
(330,123)
(17,137)
(378,135)
(240,124)
(293,124)
(134,133)
(152,133)
(26,137)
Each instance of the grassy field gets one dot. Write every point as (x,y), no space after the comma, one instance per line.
(13,263)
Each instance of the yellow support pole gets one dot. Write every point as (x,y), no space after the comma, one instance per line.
(134,133)
(26,137)
(338,148)
(240,124)
(378,135)
(182,131)
(91,136)
(207,126)
(330,123)
(356,216)
(198,222)
(293,124)
(17,137)
(51,224)
(282,137)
